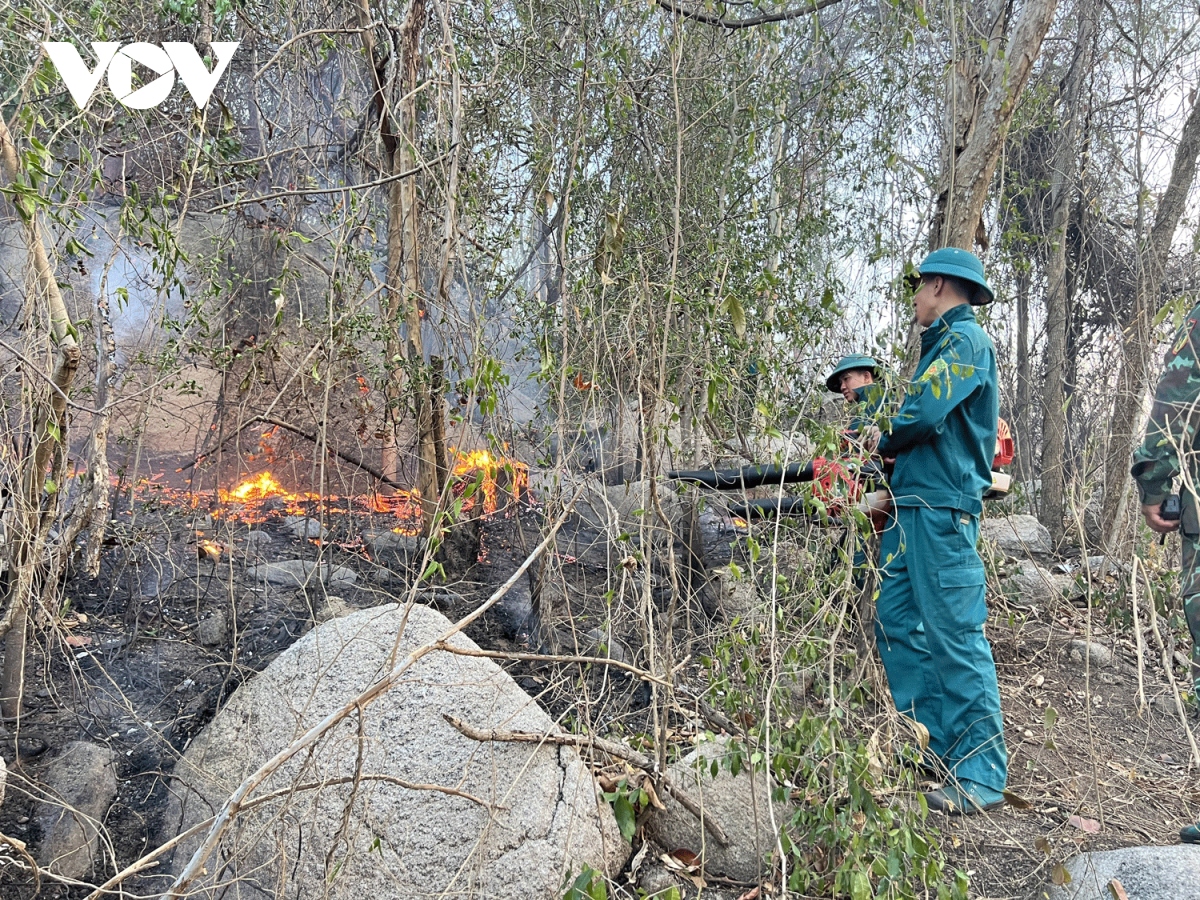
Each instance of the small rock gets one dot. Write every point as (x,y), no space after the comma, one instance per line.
(304,528)
(213,630)
(1146,873)
(332,608)
(654,880)
(439,598)
(256,543)
(1101,566)
(385,577)
(1018,537)
(29,747)
(82,783)
(299,572)
(602,644)
(1031,585)
(737,596)
(1096,654)
(391,542)
(741,805)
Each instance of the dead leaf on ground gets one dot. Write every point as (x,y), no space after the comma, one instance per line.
(1041,843)
(636,863)
(684,858)
(1016,800)
(78,640)
(685,864)
(648,787)
(751,894)
(1060,875)
(1117,890)
(1088,826)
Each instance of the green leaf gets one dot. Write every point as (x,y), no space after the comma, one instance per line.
(598,889)
(51,486)
(1050,716)
(737,315)
(626,818)
(860,886)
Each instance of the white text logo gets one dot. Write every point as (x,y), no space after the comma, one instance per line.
(111,57)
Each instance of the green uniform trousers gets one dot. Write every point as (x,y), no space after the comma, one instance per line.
(929,629)
(1189,539)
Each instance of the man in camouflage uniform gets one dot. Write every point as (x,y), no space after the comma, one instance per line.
(1170,435)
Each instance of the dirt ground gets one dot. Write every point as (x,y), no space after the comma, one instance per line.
(1109,773)
(131,668)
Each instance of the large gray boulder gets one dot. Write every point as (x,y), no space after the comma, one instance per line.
(740,804)
(1146,873)
(80,786)
(541,816)
(1018,536)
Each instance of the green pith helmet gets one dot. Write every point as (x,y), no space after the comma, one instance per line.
(848,364)
(961,264)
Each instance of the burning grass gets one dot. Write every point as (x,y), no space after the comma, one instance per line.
(260,497)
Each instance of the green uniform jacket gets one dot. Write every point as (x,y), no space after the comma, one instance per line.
(869,406)
(1173,419)
(944,434)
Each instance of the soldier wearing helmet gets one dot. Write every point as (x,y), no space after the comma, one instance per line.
(859,379)
(931,606)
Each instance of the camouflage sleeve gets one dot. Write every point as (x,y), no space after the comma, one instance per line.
(1173,417)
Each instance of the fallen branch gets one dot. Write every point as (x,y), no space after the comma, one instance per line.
(1141,641)
(224,819)
(19,847)
(641,760)
(345,455)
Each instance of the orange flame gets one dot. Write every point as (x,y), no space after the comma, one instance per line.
(259,487)
(490,469)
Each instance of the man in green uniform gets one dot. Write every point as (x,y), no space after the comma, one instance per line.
(1170,435)
(931,607)
(852,377)
(859,379)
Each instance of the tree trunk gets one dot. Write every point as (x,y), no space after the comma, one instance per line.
(1137,331)
(978,130)
(1023,420)
(30,524)
(1062,190)
(980,104)
(406,356)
